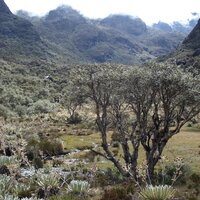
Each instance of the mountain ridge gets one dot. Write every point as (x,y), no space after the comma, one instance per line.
(64,35)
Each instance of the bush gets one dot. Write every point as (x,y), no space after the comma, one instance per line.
(48,147)
(21,110)
(74,119)
(5,112)
(115,137)
(67,197)
(108,177)
(37,162)
(51,147)
(195,178)
(171,171)
(117,193)
(42,106)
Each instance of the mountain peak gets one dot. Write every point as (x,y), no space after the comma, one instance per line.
(4,8)
(63,12)
(193,39)
(125,23)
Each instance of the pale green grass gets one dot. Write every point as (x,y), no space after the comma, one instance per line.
(185,144)
(82,141)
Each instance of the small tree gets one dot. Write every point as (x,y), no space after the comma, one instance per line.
(99,84)
(175,101)
(142,104)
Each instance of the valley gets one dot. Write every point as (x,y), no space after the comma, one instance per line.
(98,109)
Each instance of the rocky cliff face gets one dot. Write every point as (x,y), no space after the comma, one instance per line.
(18,36)
(4,8)
(193,39)
(12,26)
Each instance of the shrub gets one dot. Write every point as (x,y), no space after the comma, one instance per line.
(74,119)
(171,171)
(37,162)
(21,110)
(115,137)
(10,197)
(42,106)
(117,193)
(70,196)
(5,112)
(160,192)
(51,148)
(48,147)
(115,144)
(195,178)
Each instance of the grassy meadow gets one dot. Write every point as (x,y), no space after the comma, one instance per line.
(185,144)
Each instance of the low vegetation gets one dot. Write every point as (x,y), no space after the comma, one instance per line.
(67,154)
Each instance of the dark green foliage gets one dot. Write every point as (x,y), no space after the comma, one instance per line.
(115,144)
(171,172)
(41,106)
(116,193)
(195,178)
(70,196)
(107,177)
(4,170)
(51,147)
(48,147)
(37,162)
(115,136)
(74,119)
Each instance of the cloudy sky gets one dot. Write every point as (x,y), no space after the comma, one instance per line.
(150,11)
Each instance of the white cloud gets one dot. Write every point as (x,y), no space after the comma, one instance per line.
(149,10)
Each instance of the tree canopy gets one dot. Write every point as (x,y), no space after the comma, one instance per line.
(146,105)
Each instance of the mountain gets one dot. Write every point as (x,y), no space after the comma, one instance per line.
(4,8)
(18,36)
(188,53)
(162,26)
(116,39)
(65,36)
(125,23)
(192,41)
(176,26)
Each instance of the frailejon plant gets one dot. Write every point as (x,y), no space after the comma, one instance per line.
(10,197)
(6,184)
(160,192)
(79,187)
(48,181)
(20,188)
(7,160)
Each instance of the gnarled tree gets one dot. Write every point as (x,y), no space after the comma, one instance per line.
(147,105)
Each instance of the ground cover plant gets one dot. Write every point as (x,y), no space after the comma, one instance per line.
(134,124)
